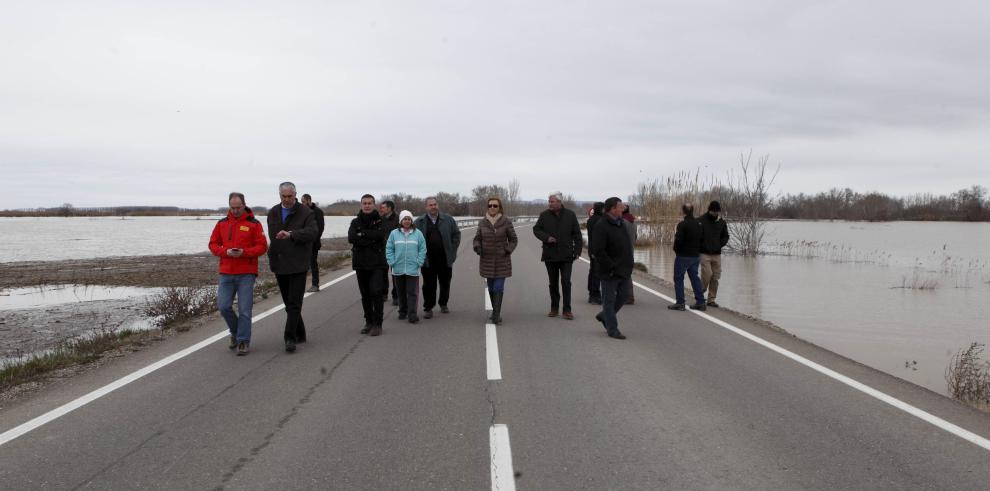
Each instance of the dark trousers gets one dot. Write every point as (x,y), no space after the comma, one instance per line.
(314,266)
(560,278)
(408,288)
(293,286)
(614,295)
(431,276)
(395,287)
(594,282)
(689,265)
(373,284)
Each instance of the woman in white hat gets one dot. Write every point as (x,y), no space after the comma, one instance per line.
(405,252)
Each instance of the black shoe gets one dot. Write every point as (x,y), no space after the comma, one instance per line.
(428,314)
(376,331)
(233,342)
(395,302)
(413,319)
(444,309)
(601,318)
(616,335)
(699,306)
(676,306)
(290,345)
(367,328)
(313,289)
(402,316)
(711,303)
(595,301)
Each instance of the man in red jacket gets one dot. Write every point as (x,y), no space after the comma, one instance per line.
(238,240)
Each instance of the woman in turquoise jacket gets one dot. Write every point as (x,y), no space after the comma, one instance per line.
(405,252)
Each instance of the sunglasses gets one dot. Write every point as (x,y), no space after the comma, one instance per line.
(493,206)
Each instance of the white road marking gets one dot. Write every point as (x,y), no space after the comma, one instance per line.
(503,477)
(491,350)
(488,299)
(112,386)
(893,401)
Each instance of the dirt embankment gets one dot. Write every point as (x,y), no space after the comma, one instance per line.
(178,270)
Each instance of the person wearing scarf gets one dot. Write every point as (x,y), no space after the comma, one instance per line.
(494,242)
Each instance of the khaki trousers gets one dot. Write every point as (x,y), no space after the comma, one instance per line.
(711,271)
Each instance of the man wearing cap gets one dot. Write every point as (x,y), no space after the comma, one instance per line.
(714,236)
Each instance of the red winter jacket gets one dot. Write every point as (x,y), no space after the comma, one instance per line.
(244,232)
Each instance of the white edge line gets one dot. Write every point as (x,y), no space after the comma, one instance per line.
(503,477)
(893,401)
(488,299)
(491,351)
(112,386)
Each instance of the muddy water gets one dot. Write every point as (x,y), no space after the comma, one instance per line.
(57,238)
(841,285)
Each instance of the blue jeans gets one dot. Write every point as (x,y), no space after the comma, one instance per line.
(689,265)
(496,285)
(615,292)
(241,286)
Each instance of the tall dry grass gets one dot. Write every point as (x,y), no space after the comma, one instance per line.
(968,376)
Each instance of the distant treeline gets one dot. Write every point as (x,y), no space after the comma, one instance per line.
(67,210)
(970,205)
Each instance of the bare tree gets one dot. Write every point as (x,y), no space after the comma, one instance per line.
(751,190)
(512,197)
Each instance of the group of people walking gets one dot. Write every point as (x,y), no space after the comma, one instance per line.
(399,250)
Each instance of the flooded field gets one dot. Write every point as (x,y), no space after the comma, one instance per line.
(57,238)
(901,297)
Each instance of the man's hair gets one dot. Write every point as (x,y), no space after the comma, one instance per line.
(367,196)
(235,194)
(715,206)
(598,207)
(611,203)
(428,198)
(287,184)
(688,209)
(558,195)
(307,196)
(389,204)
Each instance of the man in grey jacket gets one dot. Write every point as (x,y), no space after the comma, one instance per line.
(291,232)
(442,240)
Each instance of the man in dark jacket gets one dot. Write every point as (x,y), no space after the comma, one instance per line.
(314,265)
(714,236)
(687,246)
(442,240)
(391,220)
(291,232)
(367,236)
(613,252)
(594,283)
(558,229)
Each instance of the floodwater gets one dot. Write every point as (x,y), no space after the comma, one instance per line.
(851,287)
(49,295)
(59,238)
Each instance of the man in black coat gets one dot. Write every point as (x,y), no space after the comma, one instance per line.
(314,265)
(291,232)
(367,236)
(613,252)
(687,246)
(714,236)
(558,229)
(391,219)
(594,283)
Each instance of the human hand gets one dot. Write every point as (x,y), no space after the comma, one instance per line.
(235,252)
(552,240)
(283,234)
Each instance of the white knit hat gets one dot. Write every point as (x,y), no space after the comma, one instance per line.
(405,213)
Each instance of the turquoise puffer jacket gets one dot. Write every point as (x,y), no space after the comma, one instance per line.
(405,253)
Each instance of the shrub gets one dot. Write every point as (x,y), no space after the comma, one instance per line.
(177,304)
(968,376)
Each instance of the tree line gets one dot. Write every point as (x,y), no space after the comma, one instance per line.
(967,205)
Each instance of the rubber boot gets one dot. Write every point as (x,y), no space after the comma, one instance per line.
(497,308)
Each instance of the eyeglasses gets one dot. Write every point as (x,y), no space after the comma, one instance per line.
(493,206)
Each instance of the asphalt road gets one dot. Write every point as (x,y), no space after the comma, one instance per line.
(683,403)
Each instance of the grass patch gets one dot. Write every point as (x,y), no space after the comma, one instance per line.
(67,354)
(638,266)
(968,376)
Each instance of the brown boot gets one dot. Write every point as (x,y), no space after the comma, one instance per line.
(376,330)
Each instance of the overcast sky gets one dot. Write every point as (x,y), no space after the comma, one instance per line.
(178,103)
